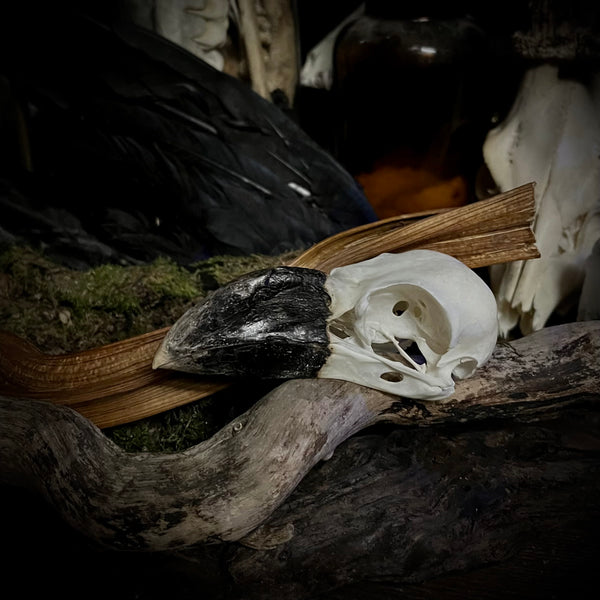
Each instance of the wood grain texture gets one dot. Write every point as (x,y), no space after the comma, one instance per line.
(115,384)
(402,507)
(227,486)
(480,234)
(109,385)
(253,48)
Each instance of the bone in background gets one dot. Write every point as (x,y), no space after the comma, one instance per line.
(552,137)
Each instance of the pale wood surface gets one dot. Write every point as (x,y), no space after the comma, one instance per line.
(253,48)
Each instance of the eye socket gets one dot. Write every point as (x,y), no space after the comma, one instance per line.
(400,307)
(392,376)
(388,350)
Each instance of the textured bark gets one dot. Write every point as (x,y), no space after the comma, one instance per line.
(283,64)
(392,508)
(224,488)
(218,490)
(407,506)
(560,30)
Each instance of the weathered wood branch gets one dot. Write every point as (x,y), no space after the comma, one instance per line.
(509,509)
(224,488)
(283,64)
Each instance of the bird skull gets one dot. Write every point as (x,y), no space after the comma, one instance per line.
(409,323)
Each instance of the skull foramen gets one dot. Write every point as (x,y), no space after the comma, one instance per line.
(409,323)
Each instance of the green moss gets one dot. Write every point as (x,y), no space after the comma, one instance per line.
(219,270)
(60,309)
(28,306)
(168,279)
(108,287)
(114,288)
(172,431)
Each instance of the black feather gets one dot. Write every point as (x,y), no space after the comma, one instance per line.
(123,123)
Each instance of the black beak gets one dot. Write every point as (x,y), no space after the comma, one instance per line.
(269,324)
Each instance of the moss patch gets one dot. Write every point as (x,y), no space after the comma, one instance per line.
(219,270)
(171,431)
(63,310)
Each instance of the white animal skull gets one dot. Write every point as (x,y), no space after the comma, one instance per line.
(551,136)
(409,323)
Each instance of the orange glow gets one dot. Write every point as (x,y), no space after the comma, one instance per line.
(394,190)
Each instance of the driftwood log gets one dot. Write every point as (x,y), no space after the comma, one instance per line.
(414,503)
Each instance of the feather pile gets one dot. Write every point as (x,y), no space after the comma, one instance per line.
(135,148)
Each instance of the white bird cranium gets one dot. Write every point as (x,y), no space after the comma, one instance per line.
(410,323)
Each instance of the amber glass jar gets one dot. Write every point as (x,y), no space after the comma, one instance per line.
(407,80)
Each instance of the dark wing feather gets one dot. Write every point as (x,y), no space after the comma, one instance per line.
(123,121)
